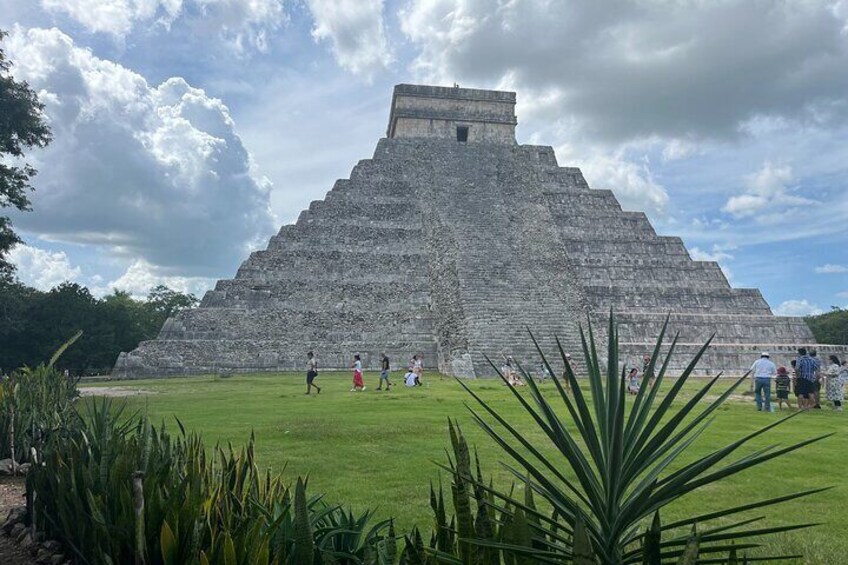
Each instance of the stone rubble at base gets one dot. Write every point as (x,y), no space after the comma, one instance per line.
(452,250)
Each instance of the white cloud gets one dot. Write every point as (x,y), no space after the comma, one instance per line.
(830,269)
(42,269)
(678,149)
(719,254)
(633,184)
(156,173)
(239,21)
(140,277)
(356,32)
(797,308)
(768,195)
(637,70)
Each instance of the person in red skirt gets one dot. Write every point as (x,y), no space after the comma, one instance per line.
(358,383)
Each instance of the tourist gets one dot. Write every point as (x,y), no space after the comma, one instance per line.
(572,363)
(509,373)
(410,379)
(646,364)
(782,382)
(384,373)
(416,364)
(805,379)
(633,381)
(311,373)
(817,386)
(358,382)
(542,373)
(793,362)
(506,369)
(573,366)
(835,383)
(762,371)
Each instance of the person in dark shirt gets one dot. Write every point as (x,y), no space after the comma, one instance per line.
(782,383)
(806,371)
(385,372)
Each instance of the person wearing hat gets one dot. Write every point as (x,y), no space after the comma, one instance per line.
(782,383)
(763,370)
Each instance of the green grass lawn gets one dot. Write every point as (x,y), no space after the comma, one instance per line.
(377,449)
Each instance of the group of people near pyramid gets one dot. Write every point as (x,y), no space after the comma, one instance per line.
(807,378)
(633,375)
(412,378)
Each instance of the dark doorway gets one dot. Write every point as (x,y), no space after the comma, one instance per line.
(462,133)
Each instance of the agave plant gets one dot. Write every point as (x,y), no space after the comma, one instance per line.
(621,466)
(35,403)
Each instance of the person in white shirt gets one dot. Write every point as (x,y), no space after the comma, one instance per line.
(762,372)
(410,379)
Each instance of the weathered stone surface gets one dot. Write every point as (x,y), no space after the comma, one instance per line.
(17,530)
(453,250)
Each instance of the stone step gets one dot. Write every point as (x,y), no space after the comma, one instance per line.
(626,275)
(264,265)
(354,236)
(680,299)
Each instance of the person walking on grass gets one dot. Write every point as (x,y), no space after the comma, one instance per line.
(646,364)
(763,370)
(358,382)
(835,383)
(385,371)
(782,383)
(311,373)
(633,381)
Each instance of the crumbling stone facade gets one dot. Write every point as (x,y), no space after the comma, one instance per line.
(450,242)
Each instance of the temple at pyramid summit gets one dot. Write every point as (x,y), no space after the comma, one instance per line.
(450,242)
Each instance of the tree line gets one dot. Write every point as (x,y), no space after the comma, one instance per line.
(830,327)
(34,323)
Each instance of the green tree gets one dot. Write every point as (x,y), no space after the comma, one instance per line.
(830,327)
(22,127)
(168,302)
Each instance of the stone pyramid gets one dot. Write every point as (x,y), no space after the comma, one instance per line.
(451,242)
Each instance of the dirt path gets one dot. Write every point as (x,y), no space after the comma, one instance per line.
(11,494)
(112,391)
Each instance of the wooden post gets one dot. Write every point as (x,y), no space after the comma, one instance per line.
(33,497)
(138,507)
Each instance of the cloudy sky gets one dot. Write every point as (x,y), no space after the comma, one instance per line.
(187,131)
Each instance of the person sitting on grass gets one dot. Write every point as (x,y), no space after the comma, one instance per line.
(782,382)
(410,379)
(509,373)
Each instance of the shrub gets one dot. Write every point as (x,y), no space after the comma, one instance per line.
(119,489)
(605,484)
(35,404)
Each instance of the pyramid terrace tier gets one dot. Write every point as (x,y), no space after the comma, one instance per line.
(310,293)
(730,359)
(685,298)
(327,324)
(691,327)
(163,358)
